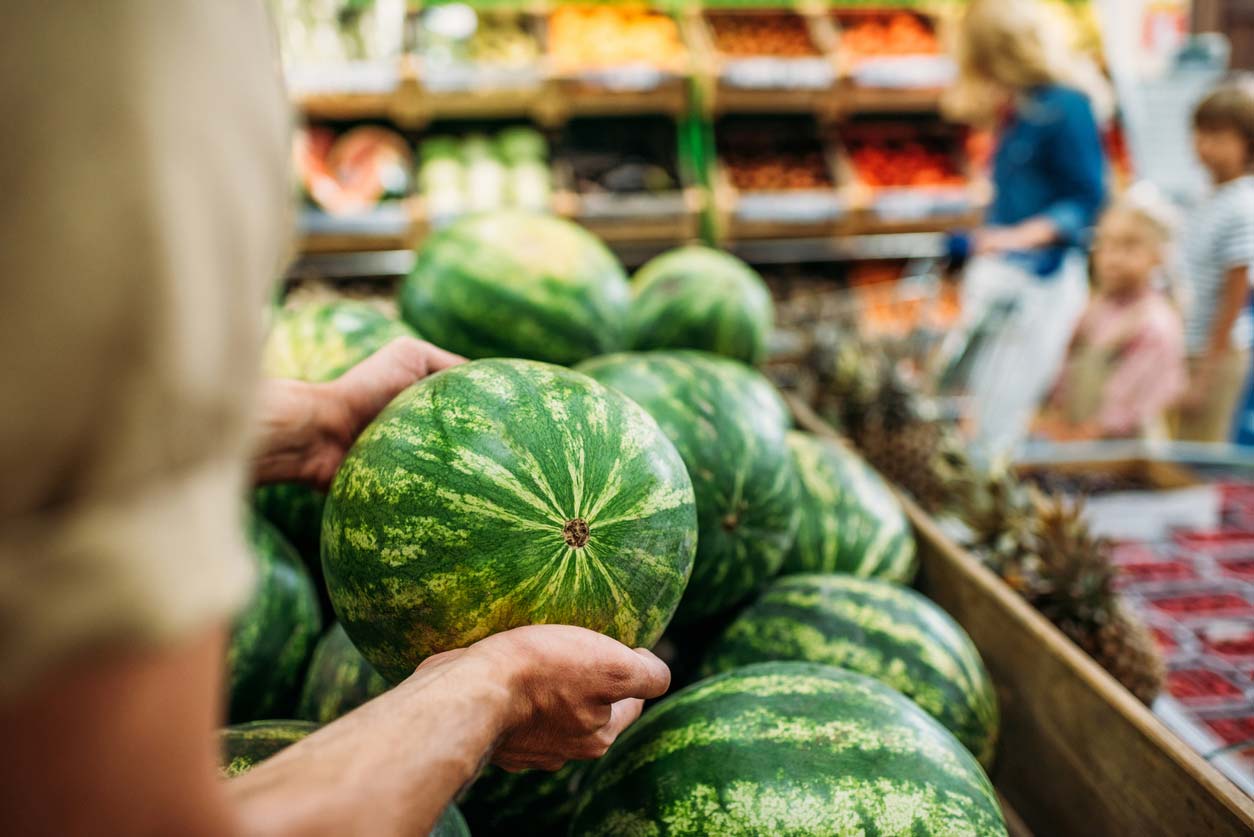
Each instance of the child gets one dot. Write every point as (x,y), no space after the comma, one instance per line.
(1218,250)
(1125,364)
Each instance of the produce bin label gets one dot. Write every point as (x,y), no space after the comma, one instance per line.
(779,73)
(808,207)
(347,77)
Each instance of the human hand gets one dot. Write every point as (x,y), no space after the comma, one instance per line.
(306,429)
(572,691)
(1200,379)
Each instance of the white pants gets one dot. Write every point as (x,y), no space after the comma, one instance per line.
(1019,363)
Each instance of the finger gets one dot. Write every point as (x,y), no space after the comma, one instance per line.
(439,359)
(635,674)
(622,715)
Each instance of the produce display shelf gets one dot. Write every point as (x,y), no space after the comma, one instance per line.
(1078,753)
(562,99)
(349,264)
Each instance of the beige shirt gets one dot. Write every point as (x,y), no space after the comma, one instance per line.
(144,212)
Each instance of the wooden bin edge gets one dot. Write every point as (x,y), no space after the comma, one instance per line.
(1178,792)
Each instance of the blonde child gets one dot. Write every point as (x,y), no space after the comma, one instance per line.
(1125,365)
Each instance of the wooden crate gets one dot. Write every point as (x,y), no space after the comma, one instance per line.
(743,84)
(1079,755)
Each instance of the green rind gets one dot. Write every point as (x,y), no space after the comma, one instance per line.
(321,341)
(511,284)
(445,522)
(273,637)
(533,802)
(787,749)
(728,424)
(451,824)
(244,746)
(876,628)
(339,679)
(317,342)
(851,521)
(700,298)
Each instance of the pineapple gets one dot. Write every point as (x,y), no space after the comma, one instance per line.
(897,429)
(1043,548)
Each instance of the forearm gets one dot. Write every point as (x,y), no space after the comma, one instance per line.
(356,776)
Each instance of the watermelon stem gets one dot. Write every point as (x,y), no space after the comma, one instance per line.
(575,532)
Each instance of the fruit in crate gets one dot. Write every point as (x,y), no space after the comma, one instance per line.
(914,164)
(339,679)
(273,636)
(850,520)
(503,493)
(502,39)
(317,342)
(877,628)
(477,173)
(349,173)
(745,36)
(592,37)
(728,424)
(893,33)
(699,298)
(770,171)
(532,802)
(1043,548)
(513,284)
(787,748)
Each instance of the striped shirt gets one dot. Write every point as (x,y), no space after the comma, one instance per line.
(1220,236)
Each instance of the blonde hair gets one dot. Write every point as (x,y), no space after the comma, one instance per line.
(1145,205)
(1015,45)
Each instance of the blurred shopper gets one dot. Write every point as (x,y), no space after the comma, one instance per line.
(144,160)
(1027,263)
(1218,250)
(1125,365)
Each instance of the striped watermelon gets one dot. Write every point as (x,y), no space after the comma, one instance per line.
(531,802)
(876,628)
(851,521)
(728,423)
(273,637)
(502,493)
(787,748)
(510,284)
(244,746)
(317,342)
(339,679)
(699,298)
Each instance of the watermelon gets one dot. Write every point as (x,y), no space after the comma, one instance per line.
(244,746)
(699,298)
(450,824)
(851,521)
(787,748)
(531,802)
(339,679)
(273,637)
(512,284)
(729,424)
(877,628)
(317,342)
(502,493)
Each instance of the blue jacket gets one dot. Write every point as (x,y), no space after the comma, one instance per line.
(1049,161)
